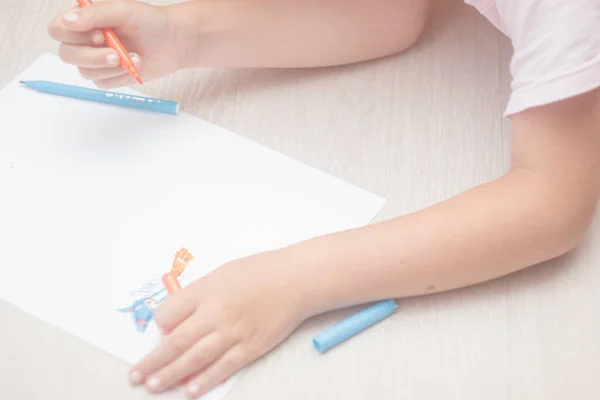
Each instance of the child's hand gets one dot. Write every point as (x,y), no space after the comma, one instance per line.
(146,31)
(222,322)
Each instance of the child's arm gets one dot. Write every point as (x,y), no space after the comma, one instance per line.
(279,33)
(234,33)
(537,211)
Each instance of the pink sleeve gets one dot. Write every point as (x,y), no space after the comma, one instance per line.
(556,49)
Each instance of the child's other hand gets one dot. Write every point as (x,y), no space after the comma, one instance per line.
(222,322)
(145,30)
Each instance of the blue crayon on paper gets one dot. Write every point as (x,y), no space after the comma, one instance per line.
(102,96)
(351,326)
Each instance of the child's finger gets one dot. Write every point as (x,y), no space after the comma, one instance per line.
(110,14)
(172,347)
(197,358)
(226,366)
(96,74)
(176,308)
(88,57)
(62,35)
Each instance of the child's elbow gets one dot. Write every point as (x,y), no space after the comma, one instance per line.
(567,227)
(397,27)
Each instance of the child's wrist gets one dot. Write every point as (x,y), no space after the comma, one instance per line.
(187,23)
(206,32)
(304,265)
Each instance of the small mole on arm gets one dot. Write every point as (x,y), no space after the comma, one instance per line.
(431,287)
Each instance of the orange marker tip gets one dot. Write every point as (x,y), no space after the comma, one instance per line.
(134,72)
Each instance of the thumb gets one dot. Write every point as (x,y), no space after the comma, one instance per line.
(106,14)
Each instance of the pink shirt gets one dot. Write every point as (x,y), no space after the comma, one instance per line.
(556,47)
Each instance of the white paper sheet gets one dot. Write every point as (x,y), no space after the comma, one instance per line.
(95,201)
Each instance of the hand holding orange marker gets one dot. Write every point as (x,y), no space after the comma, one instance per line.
(113,41)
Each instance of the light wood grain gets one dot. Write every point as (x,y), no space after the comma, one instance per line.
(416,128)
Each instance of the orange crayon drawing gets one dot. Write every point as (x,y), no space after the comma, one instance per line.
(152,294)
(180,263)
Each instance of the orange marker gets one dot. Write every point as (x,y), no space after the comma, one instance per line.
(113,41)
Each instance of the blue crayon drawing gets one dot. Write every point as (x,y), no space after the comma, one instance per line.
(142,310)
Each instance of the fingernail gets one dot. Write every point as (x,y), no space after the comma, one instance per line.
(136,377)
(153,383)
(72,17)
(98,38)
(136,59)
(193,390)
(112,59)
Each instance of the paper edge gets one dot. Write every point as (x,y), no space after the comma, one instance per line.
(377,198)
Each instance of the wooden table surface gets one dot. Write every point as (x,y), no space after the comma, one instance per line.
(416,129)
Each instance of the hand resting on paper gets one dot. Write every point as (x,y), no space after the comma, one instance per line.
(537,211)
(220,323)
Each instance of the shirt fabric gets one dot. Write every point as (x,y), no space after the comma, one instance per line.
(556,47)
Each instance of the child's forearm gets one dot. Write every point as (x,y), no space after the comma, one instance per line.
(308,33)
(487,232)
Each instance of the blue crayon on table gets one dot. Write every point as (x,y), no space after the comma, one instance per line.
(102,96)
(352,325)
